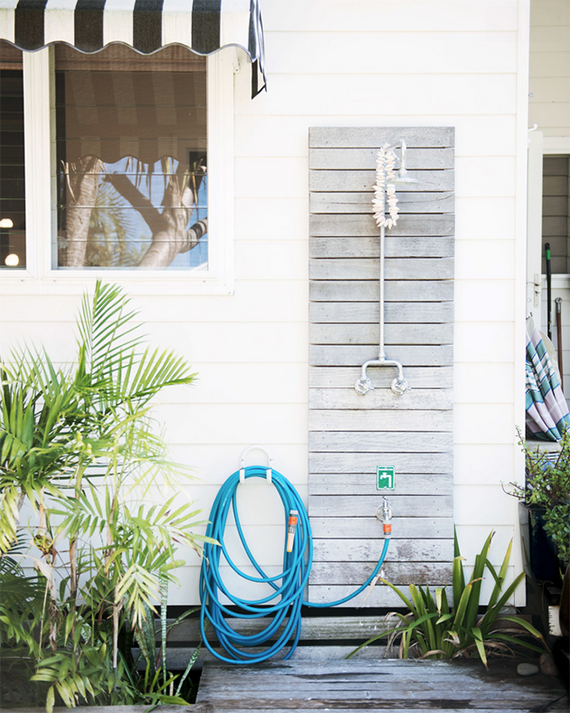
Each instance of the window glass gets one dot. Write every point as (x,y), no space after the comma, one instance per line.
(12,190)
(131,159)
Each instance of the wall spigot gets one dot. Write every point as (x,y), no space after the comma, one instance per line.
(384,514)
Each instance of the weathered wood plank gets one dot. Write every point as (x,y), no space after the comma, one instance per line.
(426,202)
(411,355)
(416,572)
(360,505)
(322,628)
(365,483)
(394,268)
(402,527)
(369,550)
(351,247)
(350,158)
(410,333)
(367,291)
(363,181)
(376,442)
(386,685)
(369,312)
(338,225)
(376,137)
(376,420)
(423,463)
(349,399)
(379,596)
(419,377)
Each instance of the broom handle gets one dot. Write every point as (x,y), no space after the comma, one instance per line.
(548,291)
(558,301)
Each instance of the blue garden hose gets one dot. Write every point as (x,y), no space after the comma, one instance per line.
(284,604)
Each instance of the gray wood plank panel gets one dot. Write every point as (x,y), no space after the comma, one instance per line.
(369,550)
(367,462)
(366,505)
(353,202)
(402,527)
(376,420)
(376,442)
(323,225)
(365,484)
(351,247)
(359,181)
(376,137)
(367,291)
(370,334)
(359,158)
(369,312)
(350,435)
(411,355)
(440,377)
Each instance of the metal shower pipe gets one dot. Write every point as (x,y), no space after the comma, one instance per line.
(399,385)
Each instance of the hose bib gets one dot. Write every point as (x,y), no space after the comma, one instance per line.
(283,605)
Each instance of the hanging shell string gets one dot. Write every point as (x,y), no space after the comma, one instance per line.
(384,187)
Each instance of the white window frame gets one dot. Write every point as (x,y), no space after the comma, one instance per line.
(40,277)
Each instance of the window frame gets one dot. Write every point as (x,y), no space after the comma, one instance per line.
(40,193)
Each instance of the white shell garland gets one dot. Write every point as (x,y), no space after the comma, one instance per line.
(385,162)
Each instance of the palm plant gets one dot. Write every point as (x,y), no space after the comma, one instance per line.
(79,444)
(434,628)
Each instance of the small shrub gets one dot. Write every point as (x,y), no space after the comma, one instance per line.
(434,628)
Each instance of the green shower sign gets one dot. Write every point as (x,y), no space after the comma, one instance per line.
(385,477)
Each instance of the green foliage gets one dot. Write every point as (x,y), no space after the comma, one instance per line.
(78,444)
(434,628)
(548,486)
(557,525)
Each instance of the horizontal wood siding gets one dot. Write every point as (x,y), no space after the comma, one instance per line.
(349,434)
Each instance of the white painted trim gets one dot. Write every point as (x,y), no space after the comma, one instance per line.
(38,93)
(40,277)
(523,54)
(557,145)
(534,225)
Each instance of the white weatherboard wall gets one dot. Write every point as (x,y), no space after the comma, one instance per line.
(549,86)
(349,63)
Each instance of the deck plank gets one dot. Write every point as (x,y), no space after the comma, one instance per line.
(387,684)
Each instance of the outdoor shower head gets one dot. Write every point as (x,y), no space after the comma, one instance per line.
(402,177)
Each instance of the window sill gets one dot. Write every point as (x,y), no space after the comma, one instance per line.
(21,282)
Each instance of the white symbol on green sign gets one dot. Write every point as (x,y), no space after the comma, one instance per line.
(385,477)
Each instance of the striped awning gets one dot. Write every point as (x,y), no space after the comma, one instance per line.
(204,26)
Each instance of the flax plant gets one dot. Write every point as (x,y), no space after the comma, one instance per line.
(78,444)
(435,628)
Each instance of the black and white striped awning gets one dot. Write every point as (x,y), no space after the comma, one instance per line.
(204,26)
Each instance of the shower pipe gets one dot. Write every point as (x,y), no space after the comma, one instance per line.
(399,385)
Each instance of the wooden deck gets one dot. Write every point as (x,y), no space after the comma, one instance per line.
(384,685)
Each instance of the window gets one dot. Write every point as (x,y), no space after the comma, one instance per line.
(129,168)
(131,159)
(12,188)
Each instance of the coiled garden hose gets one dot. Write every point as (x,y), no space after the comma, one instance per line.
(284,604)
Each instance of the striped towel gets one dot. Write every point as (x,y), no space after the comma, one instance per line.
(547,415)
